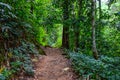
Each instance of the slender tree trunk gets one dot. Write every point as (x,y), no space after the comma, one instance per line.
(65,39)
(99,28)
(77,31)
(95,53)
(100,11)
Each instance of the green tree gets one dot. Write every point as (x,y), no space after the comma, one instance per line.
(93,7)
(65,40)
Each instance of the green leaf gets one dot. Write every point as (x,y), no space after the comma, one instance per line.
(6,5)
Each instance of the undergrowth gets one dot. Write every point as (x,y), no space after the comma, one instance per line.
(20,61)
(107,68)
(16,44)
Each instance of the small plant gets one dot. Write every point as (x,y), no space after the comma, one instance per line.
(106,67)
(2,77)
(6,73)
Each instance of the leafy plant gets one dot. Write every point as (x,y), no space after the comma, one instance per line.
(6,73)
(2,77)
(105,67)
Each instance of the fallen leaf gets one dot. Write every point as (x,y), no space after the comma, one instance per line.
(66,69)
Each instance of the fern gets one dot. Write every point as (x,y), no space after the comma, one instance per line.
(5,5)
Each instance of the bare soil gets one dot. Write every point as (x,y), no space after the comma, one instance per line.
(52,66)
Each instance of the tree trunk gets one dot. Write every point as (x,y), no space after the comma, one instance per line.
(95,53)
(65,39)
(77,31)
(100,11)
(99,28)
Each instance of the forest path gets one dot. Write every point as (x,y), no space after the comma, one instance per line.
(53,66)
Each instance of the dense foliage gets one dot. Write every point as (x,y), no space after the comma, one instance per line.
(90,27)
(16,42)
(106,67)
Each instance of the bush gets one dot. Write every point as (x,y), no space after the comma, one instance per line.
(105,67)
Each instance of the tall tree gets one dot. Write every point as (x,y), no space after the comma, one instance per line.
(93,8)
(100,11)
(65,39)
(78,21)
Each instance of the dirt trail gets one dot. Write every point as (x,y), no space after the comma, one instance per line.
(53,66)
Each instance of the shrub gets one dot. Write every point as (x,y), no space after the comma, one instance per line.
(106,67)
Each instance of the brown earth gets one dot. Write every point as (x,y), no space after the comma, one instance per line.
(52,66)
